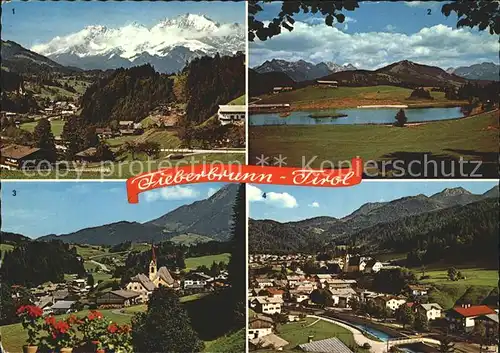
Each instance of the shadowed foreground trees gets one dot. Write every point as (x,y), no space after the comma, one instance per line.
(165,326)
(483,14)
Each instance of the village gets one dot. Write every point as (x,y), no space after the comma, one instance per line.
(77,293)
(290,295)
(119,138)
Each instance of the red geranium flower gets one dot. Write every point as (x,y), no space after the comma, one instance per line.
(112,328)
(94,314)
(61,327)
(50,320)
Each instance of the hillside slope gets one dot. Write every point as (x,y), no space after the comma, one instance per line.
(210,218)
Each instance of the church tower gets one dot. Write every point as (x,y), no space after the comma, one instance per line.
(346,262)
(152,265)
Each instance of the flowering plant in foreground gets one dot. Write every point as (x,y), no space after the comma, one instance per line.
(93,327)
(31,320)
(62,333)
(119,338)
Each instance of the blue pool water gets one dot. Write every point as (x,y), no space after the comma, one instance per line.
(357,116)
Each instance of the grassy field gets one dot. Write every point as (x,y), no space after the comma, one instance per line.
(477,288)
(232,343)
(56,126)
(193,262)
(190,239)
(297,333)
(313,97)
(128,168)
(238,101)
(474,138)
(120,140)
(88,251)
(474,277)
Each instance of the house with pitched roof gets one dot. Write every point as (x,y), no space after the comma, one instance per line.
(259,326)
(463,318)
(432,311)
(145,285)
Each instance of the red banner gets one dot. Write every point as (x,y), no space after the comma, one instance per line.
(233,173)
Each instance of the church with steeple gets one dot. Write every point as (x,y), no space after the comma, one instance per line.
(146,284)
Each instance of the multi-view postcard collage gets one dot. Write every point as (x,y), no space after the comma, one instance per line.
(234,176)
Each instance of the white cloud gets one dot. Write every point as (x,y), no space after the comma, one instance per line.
(314,205)
(439,45)
(274,199)
(211,191)
(425,4)
(171,193)
(390,28)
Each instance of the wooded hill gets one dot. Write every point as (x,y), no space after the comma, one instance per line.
(24,265)
(16,58)
(378,225)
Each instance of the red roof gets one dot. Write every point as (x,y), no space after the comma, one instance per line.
(474,310)
(410,304)
(275,291)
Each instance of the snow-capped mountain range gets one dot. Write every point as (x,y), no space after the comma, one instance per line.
(302,70)
(168,45)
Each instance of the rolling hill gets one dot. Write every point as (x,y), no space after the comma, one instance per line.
(209,218)
(16,58)
(312,234)
(402,74)
(260,83)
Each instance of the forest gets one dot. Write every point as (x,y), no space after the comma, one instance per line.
(458,234)
(33,263)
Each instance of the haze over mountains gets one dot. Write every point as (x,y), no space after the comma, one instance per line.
(209,218)
(313,234)
(168,45)
(302,70)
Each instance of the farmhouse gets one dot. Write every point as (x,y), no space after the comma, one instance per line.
(231,114)
(432,311)
(260,325)
(104,132)
(267,305)
(118,298)
(390,302)
(270,341)
(20,157)
(373,266)
(281,89)
(418,290)
(462,318)
(341,296)
(331,84)
(62,307)
(264,282)
(87,155)
(196,280)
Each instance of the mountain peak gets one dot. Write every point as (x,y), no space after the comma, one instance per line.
(191,21)
(454,192)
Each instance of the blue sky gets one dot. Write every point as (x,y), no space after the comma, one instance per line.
(291,203)
(36,22)
(41,208)
(376,34)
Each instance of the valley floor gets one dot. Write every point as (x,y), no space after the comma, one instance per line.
(313,97)
(474,138)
